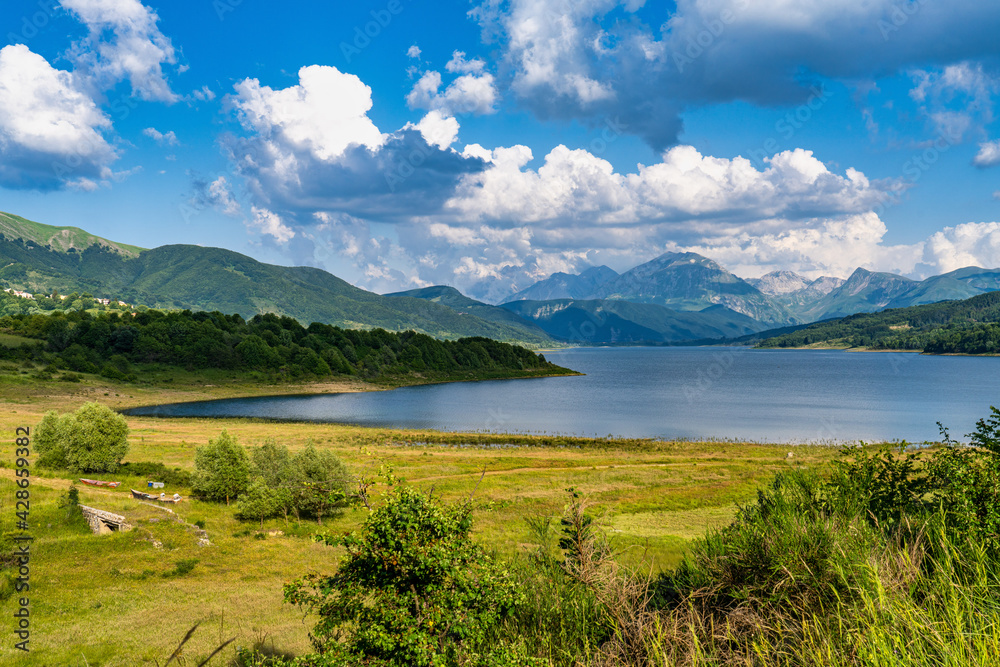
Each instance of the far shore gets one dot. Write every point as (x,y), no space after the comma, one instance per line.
(844,348)
(868,349)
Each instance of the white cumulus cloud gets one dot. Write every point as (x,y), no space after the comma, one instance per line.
(311,148)
(969,244)
(162,138)
(270,224)
(474,91)
(325,113)
(124,43)
(438,130)
(51,133)
(578,189)
(988,155)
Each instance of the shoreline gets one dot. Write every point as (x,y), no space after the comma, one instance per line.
(332,388)
(837,348)
(893,350)
(17,392)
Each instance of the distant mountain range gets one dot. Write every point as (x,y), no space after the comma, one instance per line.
(567,285)
(463,305)
(687,281)
(41,259)
(690,282)
(616,321)
(673,298)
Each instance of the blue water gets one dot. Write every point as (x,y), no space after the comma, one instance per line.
(694,393)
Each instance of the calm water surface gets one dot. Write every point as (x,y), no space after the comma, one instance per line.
(763,395)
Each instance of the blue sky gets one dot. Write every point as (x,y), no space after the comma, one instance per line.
(487,144)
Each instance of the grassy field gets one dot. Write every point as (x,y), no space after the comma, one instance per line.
(125,599)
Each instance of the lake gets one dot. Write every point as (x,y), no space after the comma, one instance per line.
(692,393)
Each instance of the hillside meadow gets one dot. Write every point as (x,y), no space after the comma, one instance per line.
(129,598)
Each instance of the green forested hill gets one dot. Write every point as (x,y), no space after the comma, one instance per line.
(58,238)
(129,346)
(197,278)
(971,326)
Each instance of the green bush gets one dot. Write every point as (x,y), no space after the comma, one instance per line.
(222,469)
(318,483)
(259,502)
(412,590)
(94,438)
(987,433)
(69,502)
(790,550)
(183,566)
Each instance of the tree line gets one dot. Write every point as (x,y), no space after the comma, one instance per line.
(269,481)
(267,346)
(970,326)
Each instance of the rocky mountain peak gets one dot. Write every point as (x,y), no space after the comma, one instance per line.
(779,282)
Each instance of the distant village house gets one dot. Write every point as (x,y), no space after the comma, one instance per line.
(29,295)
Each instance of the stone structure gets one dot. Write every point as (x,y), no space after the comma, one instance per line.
(103,523)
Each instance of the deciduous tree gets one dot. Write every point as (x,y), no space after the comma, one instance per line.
(222,469)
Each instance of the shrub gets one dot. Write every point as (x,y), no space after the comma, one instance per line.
(183,566)
(788,550)
(413,589)
(318,483)
(987,433)
(50,441)
(222,469)
(260,502)
(94,438)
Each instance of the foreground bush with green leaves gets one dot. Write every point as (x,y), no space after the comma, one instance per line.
(412,590)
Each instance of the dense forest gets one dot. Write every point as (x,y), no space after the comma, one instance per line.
(971,326)
(266,348)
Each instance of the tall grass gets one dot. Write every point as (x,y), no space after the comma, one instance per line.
(815,572)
